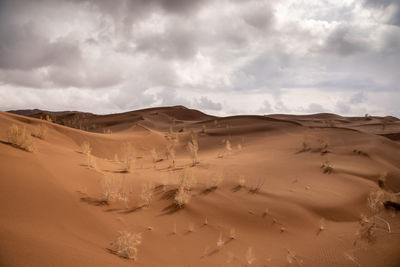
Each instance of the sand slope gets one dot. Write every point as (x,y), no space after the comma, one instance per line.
(51,212)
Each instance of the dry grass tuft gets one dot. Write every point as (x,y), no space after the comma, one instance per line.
(41,131)
(128,161)
(193,148)
(147,194)
(382,179)
(327,167)
(114,188)
(183,194)
(250,256)
(126,245)
(86,148)
(20,137)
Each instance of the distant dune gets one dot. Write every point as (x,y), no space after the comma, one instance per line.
(273,190)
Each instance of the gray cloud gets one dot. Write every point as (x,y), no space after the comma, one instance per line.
(383,4)
(163,52)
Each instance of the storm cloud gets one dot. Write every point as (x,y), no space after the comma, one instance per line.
(223,57)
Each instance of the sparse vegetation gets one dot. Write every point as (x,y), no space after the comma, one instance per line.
(154,156)
(323,144)
(172,140)
(306,143)
(193,147)
(126,245)
(147,194)
(250,256)
(183,194)
(48,118)
(114,189)
(20,137)
(327,167)
(86,148)
(228,147)
(382,179)
(41,131)
(128,161)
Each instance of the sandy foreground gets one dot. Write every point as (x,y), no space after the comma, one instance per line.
(261,199)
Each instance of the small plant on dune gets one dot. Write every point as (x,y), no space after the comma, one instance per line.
(172,140)
(321,225)
(239,147)
(232,233)
(154,156)
(114,189)
(147,194)
(41,131)
(126,245)
(203,129)
(220,241)
(250,256)
(349,256)
(369,225)
(241,181)
(306,143)
(91,161)
(128,161)
(327,167)
(86,148)
(191,228)
(255,189)
(20,137)
(228,147)
(323,144)
(293,259)
(183,195)
(382,179)
(216,180)
(193,148)
(48,118)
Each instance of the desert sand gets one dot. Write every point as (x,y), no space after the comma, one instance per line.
(260,196)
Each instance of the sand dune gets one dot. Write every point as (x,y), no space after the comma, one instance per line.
(267,184)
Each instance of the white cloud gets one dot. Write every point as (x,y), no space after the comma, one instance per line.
(225,57)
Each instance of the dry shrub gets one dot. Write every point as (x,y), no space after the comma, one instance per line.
(86,148)
(327,167)
(48,118)
(323,144)
(41,131)
(220,241)
(20,137)
(368,225)
(239,147)
(228,147)
(126,245)
(193,148)
(183,194)
(250,257)
(172,140)
(216,180)
(147,193)
(114,188)
(91,161)
(128,160)
(241,181)
(154,155)
(306,143)
(382,179)
(232,233)
(292,258)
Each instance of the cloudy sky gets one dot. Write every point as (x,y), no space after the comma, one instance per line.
(223,57)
